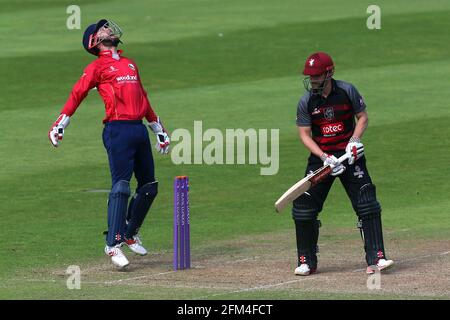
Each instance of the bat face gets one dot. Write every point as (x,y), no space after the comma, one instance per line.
(301,187)
(304,185)
(293,193)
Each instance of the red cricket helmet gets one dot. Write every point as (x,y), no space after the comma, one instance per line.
(318,63)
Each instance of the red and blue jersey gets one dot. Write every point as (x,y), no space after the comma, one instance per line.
(118,83)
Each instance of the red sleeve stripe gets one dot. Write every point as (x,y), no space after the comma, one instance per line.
(333,140)
(323,121)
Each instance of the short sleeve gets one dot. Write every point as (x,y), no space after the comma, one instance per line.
(357,100)
(303,116)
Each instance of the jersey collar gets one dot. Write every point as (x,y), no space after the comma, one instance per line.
(108,53)
(333,85)
(333,89)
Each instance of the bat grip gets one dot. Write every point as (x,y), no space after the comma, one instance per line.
(343,158)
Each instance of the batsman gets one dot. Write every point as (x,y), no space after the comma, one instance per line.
(125,137)
(331,120)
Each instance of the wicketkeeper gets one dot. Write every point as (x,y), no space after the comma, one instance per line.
(125,137)
(331,119)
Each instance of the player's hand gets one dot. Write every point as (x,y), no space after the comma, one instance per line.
(55,135)
(161,135)
(355,150)
(336,167)
(56,132)
(163,143)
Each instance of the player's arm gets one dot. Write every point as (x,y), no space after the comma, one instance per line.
(304,123)
(305,133)
(80,90)
(354,148)
(308,142)
(362,120)
(155,124)
(311,145)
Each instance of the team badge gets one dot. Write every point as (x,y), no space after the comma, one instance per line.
(131,66)
(311,62)
(329,113)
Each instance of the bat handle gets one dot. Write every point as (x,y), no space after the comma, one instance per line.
(343,158)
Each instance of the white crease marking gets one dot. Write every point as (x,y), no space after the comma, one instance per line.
(413,259)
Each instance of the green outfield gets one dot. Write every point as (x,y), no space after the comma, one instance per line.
(230,64)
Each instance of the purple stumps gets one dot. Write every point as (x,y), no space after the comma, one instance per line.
(181,223)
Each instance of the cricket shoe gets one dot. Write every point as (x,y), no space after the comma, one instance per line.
(382,265)
(304,270)
(135,245)
(117,256)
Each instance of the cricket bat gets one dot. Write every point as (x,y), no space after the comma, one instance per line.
(304,185)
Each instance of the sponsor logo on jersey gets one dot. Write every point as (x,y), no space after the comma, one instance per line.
(112,69)
(358,172)
(126,78)
(328,113)
(332,128)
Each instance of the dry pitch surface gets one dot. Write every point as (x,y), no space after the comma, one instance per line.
(261,267)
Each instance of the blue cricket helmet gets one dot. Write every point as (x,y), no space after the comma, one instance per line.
(87,39)
(90,39)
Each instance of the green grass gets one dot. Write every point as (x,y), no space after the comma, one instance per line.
(57,289)
(248,78)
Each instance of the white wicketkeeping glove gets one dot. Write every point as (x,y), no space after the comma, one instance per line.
(333,162)
(56,132)
(161,135)
(354,149)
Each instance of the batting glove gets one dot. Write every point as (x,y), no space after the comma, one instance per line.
(56,132)
(354,149)
(161,135)
(336,167)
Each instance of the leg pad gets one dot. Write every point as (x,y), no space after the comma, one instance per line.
(369,215)
(117,207)
(139,207)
